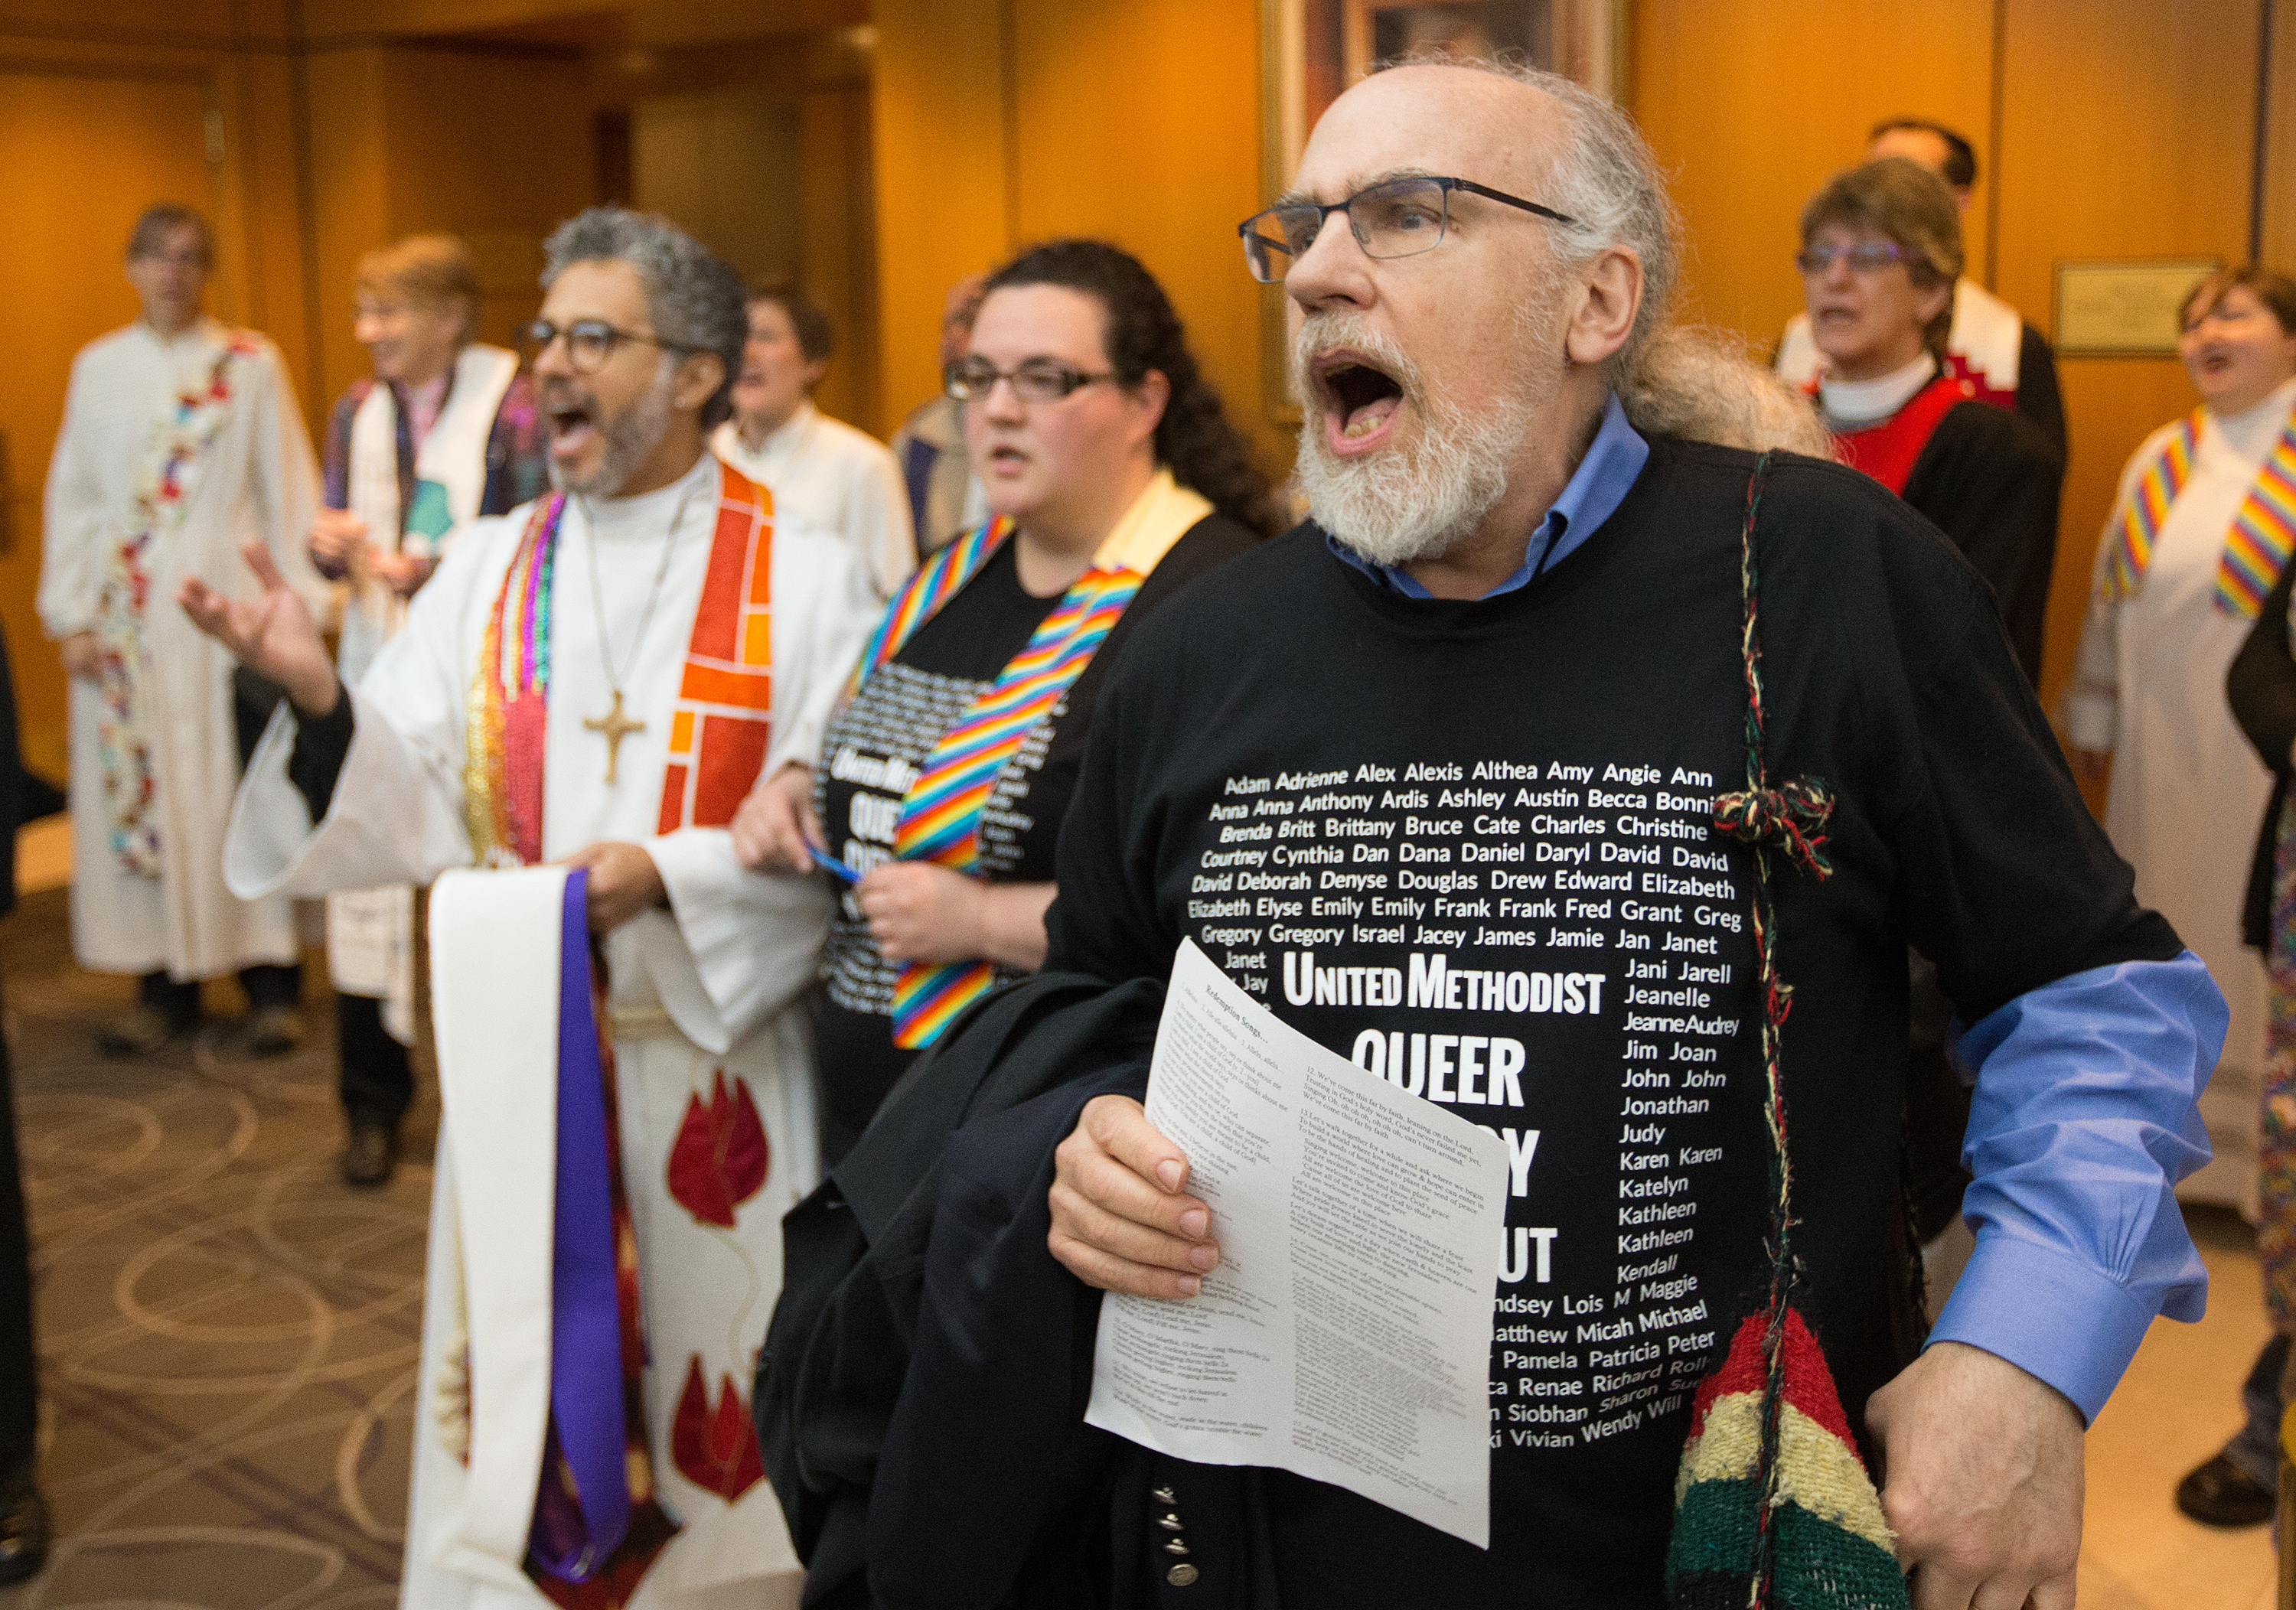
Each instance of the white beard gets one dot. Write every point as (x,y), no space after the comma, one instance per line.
(1414,502)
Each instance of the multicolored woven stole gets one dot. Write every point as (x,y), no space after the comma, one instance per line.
(1774,1509)
(170,473)
(2257,548)
(719,728)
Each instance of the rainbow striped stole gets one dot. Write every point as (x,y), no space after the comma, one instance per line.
(940,815)
(939,579)
(2257,547)
(2263,532)
(509,702)
(2147,507)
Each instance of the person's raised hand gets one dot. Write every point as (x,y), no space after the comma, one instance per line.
(338,537)
(776,824)
(82,656)
(921,912)
(624,882)
(1982,1481)
(273,634)
(1121,1218)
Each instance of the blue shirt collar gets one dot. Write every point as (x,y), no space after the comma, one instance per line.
(1595,490)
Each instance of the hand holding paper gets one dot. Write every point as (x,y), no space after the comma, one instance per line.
(1345,1333)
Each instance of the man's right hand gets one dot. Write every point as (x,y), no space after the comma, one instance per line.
(81,655)
(338,537)
(1120,1219)
(273,635)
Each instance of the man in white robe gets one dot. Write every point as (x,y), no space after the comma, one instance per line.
(639,334)
(837,477)
(155,751)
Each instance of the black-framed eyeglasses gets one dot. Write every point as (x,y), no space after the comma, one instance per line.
(589,342)
(1035,380)
(1866,257)
(1394,219)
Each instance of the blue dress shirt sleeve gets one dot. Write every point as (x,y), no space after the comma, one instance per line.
(2083,1119)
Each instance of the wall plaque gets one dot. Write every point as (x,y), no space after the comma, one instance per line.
(2123,308)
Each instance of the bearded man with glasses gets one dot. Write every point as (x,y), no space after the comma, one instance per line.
(1517,696)
(593,681)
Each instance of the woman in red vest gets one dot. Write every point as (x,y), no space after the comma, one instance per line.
(1880,249)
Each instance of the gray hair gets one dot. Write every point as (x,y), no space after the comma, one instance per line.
(694,300)
(1700,385)
(1606,178)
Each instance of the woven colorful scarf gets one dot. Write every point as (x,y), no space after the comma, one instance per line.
(718,728)
(2256,548)
(171,471)
(1774,1509)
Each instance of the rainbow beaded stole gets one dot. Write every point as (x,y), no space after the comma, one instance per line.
(510,704)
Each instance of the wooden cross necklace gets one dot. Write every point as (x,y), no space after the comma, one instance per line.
(614,726)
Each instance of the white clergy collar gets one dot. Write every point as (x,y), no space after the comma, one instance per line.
(203,331)
(1859,403)
(2251,432)
(647,516)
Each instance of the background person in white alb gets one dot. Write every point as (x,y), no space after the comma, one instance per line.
(181,440)
(592,681)
(842,480)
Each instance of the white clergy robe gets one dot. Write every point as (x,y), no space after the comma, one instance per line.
(838,479)
(2187,792)
(256,479)
(707,996)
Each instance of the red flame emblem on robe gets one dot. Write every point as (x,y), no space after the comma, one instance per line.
(719,1161)
(716,1449)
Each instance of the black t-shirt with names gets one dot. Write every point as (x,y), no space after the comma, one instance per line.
(1472,846)
(876,745)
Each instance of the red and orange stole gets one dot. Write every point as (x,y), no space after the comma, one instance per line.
(718,727)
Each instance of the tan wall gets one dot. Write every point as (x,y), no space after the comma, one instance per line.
(2117,137)
(406,141)
(998,125)
(126,122)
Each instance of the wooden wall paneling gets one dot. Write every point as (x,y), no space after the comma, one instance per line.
(1160,155)
(2277,244)
(839,270)
(2150,159)
(1750,106)
(84,151)
(352,202)
(940,161)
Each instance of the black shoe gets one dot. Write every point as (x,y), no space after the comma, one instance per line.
(2220,1493)
(23,1532)
(371,1153)
(272,1030)
(140,1031)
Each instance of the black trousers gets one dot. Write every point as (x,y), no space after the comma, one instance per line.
(267,984)
(378,1078)
(19,1379)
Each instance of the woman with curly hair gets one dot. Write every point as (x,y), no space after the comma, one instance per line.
(1112,478)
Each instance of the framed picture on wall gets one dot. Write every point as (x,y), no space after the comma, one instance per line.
(1311,50)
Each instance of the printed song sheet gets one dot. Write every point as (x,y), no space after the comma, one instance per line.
(1346,1335)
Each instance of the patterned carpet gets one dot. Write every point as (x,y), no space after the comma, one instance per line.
(227,1331)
